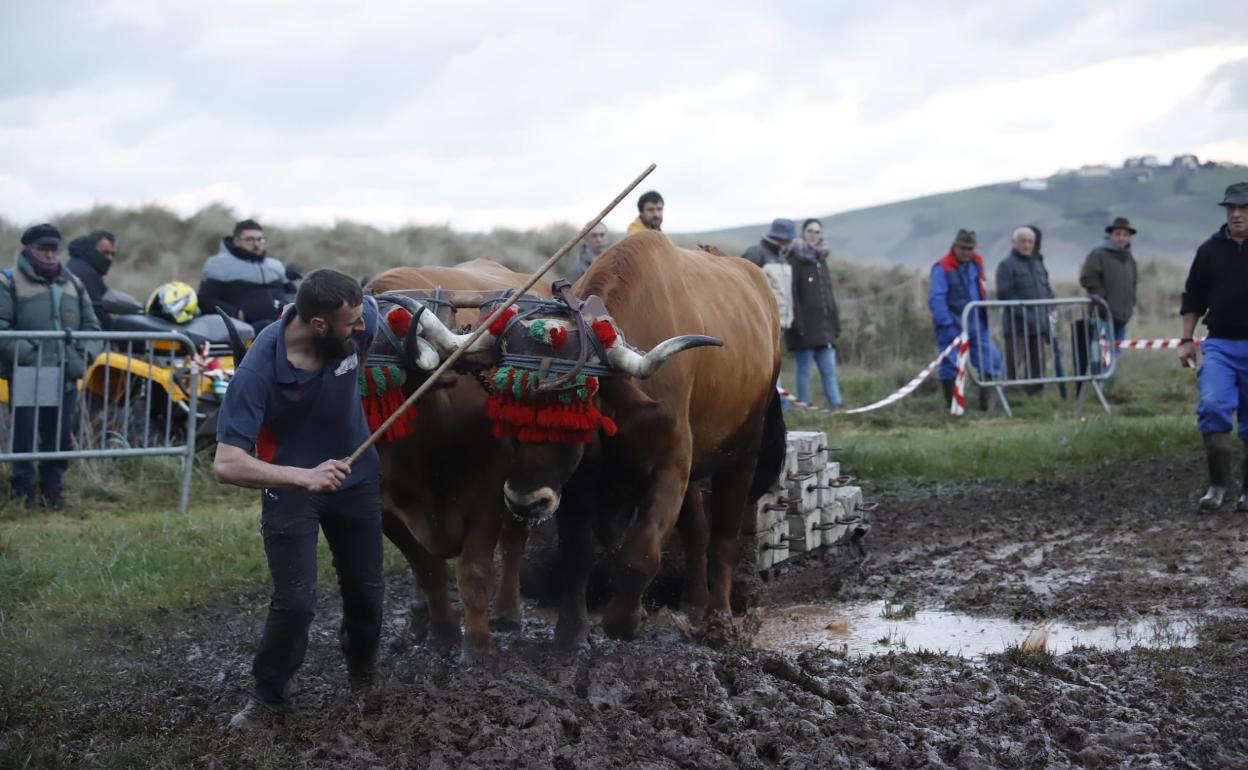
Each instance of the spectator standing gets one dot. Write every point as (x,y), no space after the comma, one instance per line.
(592,246)
(1022,275)
(242,279)
(1217,291)
(90,258)
(957,280)
(41,294)
(1110,273)
(649,213)
(816,324)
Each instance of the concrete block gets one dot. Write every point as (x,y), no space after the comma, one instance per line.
(832,528)
(802,492)
(804,532)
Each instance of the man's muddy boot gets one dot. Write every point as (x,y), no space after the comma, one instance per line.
(257,716)
(1218,454)
(946,387)
(1241,505)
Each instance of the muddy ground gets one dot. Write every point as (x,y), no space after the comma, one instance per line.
(1120,544)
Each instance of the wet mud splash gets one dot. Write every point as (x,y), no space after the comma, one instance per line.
(1112,550)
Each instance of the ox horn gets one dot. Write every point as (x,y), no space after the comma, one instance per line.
(415,347)
(633,363)
(447,341)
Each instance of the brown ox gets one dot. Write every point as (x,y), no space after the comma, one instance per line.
(439,486)
(708,413)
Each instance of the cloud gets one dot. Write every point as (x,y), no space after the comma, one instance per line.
(480,114)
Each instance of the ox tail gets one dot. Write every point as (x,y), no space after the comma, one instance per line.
(771,450)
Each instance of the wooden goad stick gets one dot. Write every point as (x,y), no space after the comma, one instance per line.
(484,325)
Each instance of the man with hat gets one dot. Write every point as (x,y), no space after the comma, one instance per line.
(771,254)
(956,280)
(1110,273)
(40,294)
(1217,290)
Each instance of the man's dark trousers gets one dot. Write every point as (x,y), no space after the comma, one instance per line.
(27,420)
(351,520)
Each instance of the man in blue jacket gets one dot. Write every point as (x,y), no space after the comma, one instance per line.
(1217,289)
(295,402)
(958,279)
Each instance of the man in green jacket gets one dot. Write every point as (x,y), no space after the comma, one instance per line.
(41,294)
(1110,273)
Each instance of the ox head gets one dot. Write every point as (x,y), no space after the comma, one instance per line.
(544,378)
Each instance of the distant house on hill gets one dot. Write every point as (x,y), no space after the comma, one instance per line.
(1098,171)
(1144,161)
(1186,162)
(1035,185)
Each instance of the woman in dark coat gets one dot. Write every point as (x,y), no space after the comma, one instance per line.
(816,325)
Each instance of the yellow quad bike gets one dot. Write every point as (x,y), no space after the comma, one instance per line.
(137,393)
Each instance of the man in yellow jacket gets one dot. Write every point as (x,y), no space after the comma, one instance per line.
(649,213)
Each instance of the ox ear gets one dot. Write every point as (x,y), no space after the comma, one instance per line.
(639,417)
(629,361)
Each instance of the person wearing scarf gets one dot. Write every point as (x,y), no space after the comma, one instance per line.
(816,324)
(38,294)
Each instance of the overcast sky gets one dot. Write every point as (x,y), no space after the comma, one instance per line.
(491,114)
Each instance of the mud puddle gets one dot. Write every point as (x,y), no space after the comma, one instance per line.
(872,628)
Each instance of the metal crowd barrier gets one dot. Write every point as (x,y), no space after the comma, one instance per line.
(1059,341)
(139,397)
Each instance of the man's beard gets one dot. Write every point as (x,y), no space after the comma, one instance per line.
(331,348)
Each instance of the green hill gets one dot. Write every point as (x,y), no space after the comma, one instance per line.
(1173,211)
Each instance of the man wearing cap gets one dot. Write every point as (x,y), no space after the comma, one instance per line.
(1217,290)
(771,254)
(956,280)
(90,258)
(1110,273)
(40,294)
(649,213)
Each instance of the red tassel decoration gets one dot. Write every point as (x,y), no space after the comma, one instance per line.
(605,332)
(400,320)
(558,336)
(500,323)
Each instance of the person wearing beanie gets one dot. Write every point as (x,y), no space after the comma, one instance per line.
(90,258)
(957,279)
(242,279)
(1217,292)
(39,294)
(1110,273)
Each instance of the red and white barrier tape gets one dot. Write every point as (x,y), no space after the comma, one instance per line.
(957,405)
(901,393)
(1159,344)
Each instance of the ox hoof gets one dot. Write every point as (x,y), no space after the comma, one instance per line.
(444,637)
(505,624)
(418,621)
(722,632)
(572,639)
(622,625)
(479,652)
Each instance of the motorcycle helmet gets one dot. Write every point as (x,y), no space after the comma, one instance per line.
(174,301)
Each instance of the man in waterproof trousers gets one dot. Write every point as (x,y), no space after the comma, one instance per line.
(956,281)
(294,401)
(1217,290)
